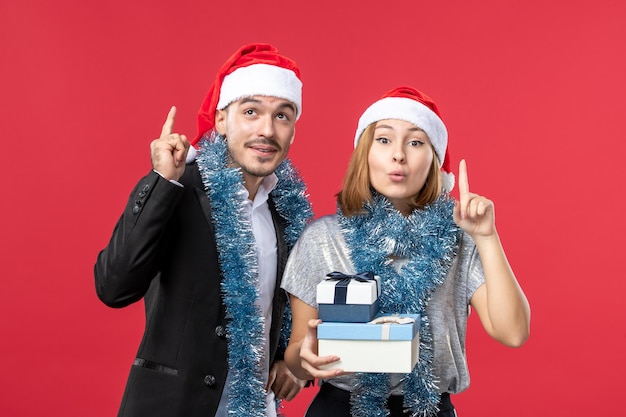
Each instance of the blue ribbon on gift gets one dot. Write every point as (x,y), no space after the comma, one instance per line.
(341,288)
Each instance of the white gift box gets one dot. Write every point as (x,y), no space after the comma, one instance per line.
(392,346)
(348,298)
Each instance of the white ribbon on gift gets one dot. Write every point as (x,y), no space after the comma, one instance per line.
(387,321)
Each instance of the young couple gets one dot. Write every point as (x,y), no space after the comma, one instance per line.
(218,236)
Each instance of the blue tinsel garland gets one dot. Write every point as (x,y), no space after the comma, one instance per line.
(238,264)
(427,241)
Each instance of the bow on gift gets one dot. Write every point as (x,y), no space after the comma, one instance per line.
(387,321)
(392,319)
(341,288)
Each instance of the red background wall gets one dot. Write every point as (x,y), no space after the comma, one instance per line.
(533,95)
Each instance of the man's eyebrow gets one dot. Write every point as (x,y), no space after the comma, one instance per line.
(249,100)
(288,104)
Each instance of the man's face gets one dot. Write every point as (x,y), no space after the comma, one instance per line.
(259,131)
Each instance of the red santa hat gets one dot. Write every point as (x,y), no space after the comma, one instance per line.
(413,106)
(256,69)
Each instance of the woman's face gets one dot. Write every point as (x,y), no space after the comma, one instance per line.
(399,161)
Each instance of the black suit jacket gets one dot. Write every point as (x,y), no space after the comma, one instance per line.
(163,249)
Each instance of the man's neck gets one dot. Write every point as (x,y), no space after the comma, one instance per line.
(252,184)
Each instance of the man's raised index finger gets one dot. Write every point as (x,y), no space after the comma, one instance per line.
(168,126)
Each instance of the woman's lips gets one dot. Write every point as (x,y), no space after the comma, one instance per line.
(397,176)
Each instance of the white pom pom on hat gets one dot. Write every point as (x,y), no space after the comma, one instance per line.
(413,106)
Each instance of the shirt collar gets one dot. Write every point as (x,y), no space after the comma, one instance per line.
(265,188)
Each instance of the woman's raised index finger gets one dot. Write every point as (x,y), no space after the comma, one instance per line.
(463,181)
(168,126)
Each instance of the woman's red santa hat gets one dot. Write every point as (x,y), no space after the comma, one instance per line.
(413,106)
(256,69)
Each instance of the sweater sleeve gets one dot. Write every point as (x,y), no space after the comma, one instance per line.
(321,249)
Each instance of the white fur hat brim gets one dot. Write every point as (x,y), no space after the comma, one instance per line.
(261,80)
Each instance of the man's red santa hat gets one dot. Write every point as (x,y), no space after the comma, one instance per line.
(256,69)
(413,106)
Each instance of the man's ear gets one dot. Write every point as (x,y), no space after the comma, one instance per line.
(220,121)
(293,136)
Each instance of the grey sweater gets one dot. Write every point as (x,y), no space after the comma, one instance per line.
(322,249)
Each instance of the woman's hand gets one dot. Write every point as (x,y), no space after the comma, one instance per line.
(310,361)
(473,213)
(301,354)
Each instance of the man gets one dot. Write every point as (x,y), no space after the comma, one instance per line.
(204,240)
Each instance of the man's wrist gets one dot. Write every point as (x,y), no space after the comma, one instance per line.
(172,181)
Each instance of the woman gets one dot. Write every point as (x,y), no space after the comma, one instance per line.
(435,256)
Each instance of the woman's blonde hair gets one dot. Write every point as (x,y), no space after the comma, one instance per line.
(357,188)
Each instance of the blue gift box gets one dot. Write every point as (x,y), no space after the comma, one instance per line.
(370,331)
(348,298)
(349,313)
(387,347)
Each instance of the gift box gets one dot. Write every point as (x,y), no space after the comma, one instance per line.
(348,298)
(388,344)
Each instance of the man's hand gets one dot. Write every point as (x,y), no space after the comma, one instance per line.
(169,151)
(284,384)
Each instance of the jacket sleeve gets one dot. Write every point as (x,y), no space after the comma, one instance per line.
(126,266)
